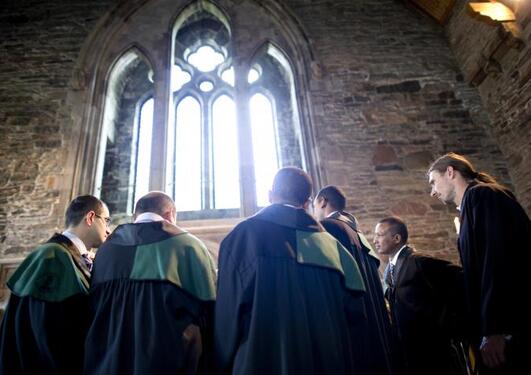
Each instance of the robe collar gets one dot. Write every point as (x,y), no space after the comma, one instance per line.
(291,217)
(65,242)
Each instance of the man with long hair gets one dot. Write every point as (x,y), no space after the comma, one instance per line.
(494,249)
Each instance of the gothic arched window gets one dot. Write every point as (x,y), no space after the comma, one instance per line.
(228,125)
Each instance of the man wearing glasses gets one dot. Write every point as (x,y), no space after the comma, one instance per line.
(46,320)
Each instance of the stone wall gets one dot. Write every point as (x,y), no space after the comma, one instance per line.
(40,42)
(390,100)
(387,97)
(501,68)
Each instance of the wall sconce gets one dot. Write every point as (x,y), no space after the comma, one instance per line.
(495,10)
(499,12)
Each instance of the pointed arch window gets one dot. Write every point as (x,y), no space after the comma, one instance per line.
(228,127)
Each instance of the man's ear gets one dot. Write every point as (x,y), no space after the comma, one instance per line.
(450,171)
(90,217)
(322,202)
(170,215)
(397,237)
(306,204)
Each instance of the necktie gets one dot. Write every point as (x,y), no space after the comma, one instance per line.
(390,279)
(87,260)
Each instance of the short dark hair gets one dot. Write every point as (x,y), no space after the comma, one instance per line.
(155,201)
(396,226)
(81,206)
(292,185)
(334,196)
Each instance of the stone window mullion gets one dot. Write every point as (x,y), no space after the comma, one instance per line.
(245,151)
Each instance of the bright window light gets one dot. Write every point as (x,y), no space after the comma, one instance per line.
(225,142)
(264,146)
(179,78)
(206,59)
(188,155)
(144,149)
(253,75)
(206,86)
(228,76)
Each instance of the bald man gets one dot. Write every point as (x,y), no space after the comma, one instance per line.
(152,294)
(288,292)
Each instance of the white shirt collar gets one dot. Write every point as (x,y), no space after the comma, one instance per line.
(395,257)
(148,217)
(331,213)
(80,245)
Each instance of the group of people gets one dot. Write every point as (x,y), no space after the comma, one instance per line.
(293,293)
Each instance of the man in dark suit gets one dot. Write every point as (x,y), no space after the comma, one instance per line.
(425,297)
(494,248)
(375,347)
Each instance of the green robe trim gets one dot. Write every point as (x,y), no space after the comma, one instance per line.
(321,249)
(49,274)
(182,260)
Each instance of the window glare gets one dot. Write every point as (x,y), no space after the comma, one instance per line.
(264,146)
(179,78)
(225,142)
(144,149)
(228,76)
(206,59)
(188,155)
(253,75)
(206,86)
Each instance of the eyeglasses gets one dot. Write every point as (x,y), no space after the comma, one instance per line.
(107,220)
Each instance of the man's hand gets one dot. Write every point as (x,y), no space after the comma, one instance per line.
(493,350)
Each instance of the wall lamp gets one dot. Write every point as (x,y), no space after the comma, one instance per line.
(499,12)
(495,10)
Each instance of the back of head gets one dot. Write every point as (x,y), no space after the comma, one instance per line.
(463,166)
(334,196)
(79,207)
(156,202)
(396,226)
(292,185)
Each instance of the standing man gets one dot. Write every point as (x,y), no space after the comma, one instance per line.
(494,247)
(424,295)
(46,320)
(375,347)
(152,295)
(288,292)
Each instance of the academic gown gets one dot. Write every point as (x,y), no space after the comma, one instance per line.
(288,298)
(426,300)
(148,286)
(377,347)
(46,320)
(496,256)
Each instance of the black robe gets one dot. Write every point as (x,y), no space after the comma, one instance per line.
(426,301)
(149,288)
(44,326)
(377,346)
(288,298)
(494,247)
